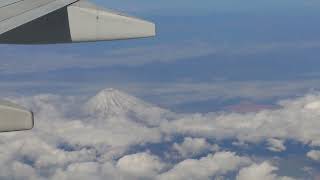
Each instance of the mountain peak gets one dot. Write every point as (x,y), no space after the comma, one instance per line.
(115,103)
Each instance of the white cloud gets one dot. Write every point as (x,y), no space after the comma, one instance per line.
(175,93)
(86,170)
(314,155)
(276,145)
(17,170)
(263,171)
(13,63)
(292,121)
(207,167)
(67,143)
(62,143)
(192,147)
(141,164)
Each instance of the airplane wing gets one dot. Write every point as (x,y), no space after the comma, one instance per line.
(14,13)
(66,21)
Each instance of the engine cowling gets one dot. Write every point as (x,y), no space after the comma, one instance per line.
(14,117)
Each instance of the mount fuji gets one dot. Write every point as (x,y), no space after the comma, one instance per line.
(111,103)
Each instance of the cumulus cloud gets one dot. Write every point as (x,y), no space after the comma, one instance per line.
(192,147)
(263,171)
(86,170)
(141,164)
(276,145)
(207,167)
(292,121)
(63,143)
(68,143)
(314,155)
(17,170)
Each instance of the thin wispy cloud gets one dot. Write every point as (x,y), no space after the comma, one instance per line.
(45,59)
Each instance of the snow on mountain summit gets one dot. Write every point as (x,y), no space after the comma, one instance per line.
(115,103)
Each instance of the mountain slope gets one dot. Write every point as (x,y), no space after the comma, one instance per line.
(111,103)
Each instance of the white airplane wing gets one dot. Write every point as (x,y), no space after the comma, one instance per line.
(65,21)
(59,21)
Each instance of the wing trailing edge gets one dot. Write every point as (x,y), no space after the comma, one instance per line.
(90,23)
(79,22)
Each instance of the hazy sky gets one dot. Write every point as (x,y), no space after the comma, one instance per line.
(210,43)
(227,6)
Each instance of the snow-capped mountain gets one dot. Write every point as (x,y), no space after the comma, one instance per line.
(115,103)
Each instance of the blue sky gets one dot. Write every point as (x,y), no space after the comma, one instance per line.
(228,6)
(252,64)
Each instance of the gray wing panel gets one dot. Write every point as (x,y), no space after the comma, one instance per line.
(14,13)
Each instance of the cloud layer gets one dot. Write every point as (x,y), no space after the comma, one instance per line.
(141,141)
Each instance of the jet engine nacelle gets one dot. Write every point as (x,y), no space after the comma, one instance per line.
(14,117)
(79,22)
